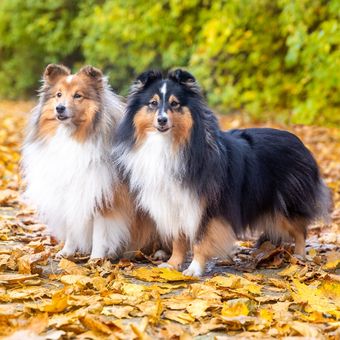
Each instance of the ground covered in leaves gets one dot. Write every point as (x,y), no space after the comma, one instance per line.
(265,293)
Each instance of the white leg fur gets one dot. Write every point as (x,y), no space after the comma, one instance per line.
(68,250)
(110,235)
(194,269)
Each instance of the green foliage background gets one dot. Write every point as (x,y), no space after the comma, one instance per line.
(260,56)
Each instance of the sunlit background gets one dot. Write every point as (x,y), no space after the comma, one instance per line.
(270,59)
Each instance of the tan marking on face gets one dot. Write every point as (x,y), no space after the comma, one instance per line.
(82,110)
(173,98)
(143,122)
(47,125)
(155,98)
(182,124)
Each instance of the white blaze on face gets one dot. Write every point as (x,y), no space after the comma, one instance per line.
(162,112)
(163,90)
(69,78)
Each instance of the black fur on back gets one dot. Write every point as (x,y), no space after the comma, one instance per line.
(242,174)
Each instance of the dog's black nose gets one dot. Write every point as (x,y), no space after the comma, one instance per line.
(60,108)
(162,120)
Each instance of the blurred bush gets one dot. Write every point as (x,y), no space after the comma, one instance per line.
(261,56)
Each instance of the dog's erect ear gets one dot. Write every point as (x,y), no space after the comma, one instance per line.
(145,79)
(184,78)
(53,72)
(91,72)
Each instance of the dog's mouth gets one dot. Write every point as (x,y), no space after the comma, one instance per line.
(163,128)
(62,117)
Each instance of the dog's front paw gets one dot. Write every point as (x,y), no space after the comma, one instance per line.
(195,269)
(167,265)
(64,253)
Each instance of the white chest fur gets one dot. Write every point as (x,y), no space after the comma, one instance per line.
(155,171)
(66,181)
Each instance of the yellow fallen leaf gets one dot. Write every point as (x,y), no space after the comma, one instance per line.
(165,288)
(181,317)
(26,263)
(153,309)
(28,292)
(10,310)
(266,315)
(307,330)
(331,289)
(230,281)
(314,297)
(238,322)
(99,283)
(313,252)
(57,304)
(72,268)
(237,284)
(290,270)
(313,317)
(58,320)
(14,278)
(236,307)
(197,308)
(212,324)
(205,291)
(94,323)
(140,330)
(75,279)
(178,302)
(133,289)
(333,261)
(156,274)
(83,300)
(4,260)
(278,283)
(114,299)
(119,312)
(254,277)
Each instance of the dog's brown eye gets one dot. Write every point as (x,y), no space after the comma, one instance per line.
(77,96)
(153,103)
(174,104)
(59,94)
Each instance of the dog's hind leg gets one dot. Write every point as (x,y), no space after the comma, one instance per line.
(297,229)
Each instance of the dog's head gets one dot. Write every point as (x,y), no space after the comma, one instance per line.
(164,105)
(70,99)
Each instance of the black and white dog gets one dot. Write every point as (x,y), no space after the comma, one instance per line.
(203,186)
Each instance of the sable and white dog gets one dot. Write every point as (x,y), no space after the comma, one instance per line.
(67,168)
